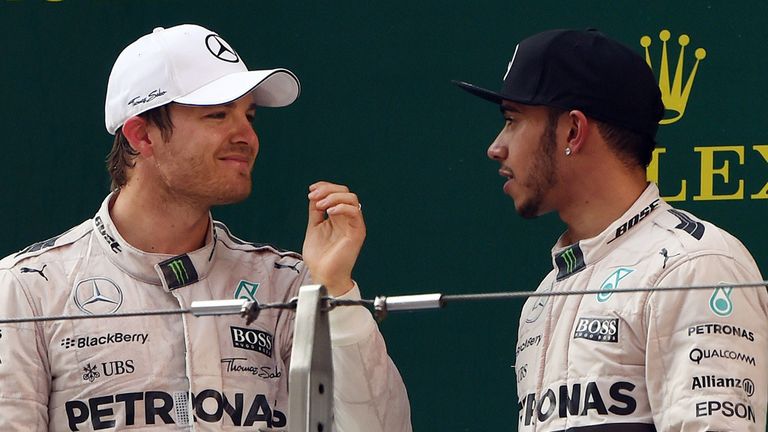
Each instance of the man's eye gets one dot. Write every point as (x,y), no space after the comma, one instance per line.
(217,115)
(251,117)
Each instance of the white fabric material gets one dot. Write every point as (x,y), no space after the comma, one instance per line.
(662,361)
(151,373)
(350,324)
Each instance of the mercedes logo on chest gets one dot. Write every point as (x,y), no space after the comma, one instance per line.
(220,49)
(98,295)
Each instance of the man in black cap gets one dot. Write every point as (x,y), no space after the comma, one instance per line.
(581,113)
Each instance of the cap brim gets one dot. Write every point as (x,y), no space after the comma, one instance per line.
(479,92)
(271,88)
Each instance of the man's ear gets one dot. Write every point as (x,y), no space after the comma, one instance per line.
(136,131)
(578,130)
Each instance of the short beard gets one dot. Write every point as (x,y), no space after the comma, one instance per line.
(542,168)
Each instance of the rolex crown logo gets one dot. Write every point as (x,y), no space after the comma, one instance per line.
(674,96)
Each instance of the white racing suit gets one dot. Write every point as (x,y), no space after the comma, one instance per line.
(651,361)
(172,372)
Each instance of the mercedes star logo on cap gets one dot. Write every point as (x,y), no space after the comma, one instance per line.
(220,49)
(98,296)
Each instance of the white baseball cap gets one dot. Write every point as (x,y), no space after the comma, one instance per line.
(190,65)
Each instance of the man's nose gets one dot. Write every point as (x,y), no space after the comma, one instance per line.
(246,132)
(497,151)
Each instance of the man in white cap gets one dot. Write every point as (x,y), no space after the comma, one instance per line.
(181,102)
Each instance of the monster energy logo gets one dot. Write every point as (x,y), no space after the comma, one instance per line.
(720,302)
(569,261)
(179,271)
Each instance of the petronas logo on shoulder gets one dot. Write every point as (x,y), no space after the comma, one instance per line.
(720,302)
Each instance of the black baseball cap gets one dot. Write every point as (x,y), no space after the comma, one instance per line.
(583,70)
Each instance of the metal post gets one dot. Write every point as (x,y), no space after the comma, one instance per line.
(310,378)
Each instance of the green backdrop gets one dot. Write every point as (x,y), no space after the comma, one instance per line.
(378,112)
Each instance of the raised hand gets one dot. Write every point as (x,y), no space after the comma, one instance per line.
(332,243)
